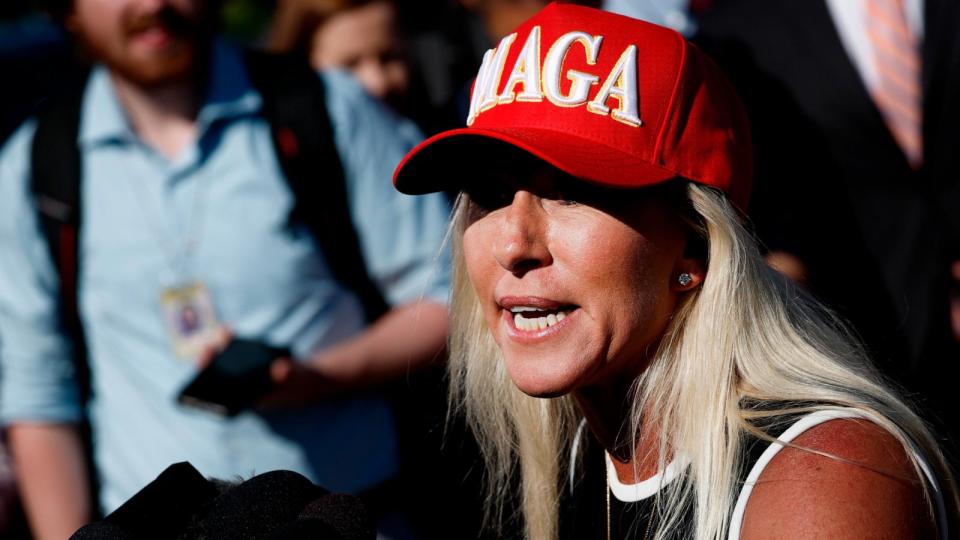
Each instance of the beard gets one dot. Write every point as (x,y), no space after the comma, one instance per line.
(153,49)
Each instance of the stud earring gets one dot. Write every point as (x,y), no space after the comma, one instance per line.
(684,279)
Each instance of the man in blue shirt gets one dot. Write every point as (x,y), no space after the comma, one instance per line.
(182,191)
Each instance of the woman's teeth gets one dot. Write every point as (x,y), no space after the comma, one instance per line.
(530,324)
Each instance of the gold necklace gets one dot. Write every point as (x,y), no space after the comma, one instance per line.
(606,470)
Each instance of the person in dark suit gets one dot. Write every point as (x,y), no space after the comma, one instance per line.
(863,210)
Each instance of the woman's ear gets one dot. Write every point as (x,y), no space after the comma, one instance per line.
(690,269)
(688,274)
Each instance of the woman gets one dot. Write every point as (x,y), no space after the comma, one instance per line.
(617,339)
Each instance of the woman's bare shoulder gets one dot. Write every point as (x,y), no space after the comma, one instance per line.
(871,491)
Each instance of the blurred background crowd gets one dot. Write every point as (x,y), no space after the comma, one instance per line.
(853,103)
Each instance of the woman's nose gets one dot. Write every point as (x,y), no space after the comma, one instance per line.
(521,244)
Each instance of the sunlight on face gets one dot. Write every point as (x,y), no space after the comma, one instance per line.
(575,281)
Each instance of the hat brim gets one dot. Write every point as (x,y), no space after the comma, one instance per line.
(433,164)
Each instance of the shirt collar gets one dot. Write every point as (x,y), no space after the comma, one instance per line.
(102,118)
(229,94)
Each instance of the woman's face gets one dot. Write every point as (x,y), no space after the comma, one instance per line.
(577,283)
(364,41)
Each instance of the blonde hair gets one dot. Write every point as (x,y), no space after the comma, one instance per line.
(745,336)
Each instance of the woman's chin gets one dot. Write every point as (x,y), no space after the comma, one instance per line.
(542,390)
(543,381)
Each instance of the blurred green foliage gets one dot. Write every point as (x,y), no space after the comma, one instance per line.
(245,21)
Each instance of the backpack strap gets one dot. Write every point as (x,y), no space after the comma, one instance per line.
(295,107)
(55,185)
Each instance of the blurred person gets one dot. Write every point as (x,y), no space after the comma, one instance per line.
(360,36)
(185,198)
(500,17)
(369,40)
(853,103)
(631,365)
(674,14)
(491,21)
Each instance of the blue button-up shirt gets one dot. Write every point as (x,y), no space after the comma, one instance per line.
(226,192)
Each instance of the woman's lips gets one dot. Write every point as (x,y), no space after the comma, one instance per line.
(533,318)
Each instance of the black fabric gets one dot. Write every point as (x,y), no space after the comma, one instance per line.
(162,509)
(183,505)
(257,507)
(344,514)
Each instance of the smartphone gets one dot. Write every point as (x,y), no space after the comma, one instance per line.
(234,379)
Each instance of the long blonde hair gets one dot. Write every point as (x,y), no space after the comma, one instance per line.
(745,336)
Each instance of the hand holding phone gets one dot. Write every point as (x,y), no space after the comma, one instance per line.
(234,379)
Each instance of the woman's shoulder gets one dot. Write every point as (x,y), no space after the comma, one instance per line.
(841,476)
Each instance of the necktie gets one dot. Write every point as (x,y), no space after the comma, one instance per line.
(897,93)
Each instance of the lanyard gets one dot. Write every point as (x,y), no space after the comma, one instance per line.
(178,253)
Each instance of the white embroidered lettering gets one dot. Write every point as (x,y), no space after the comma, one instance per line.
(486,67)
(486,95)
(539,80)
(581,82)
(526,71)
(621,85)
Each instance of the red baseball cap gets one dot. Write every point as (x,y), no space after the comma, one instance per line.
(602,97)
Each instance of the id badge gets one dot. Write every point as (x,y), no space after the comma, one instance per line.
(190,319)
